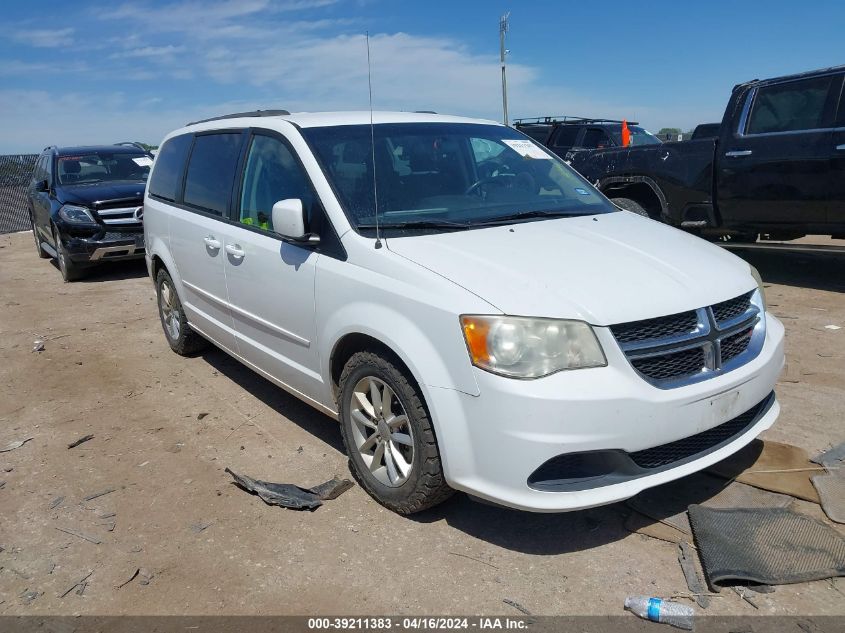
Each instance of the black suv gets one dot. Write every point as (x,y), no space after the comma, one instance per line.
(566,135)
(86,204)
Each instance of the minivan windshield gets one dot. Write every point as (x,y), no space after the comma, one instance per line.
(436,176)
(95,167)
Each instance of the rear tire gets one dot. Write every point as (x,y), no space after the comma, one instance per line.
(180,336)
(393,452)
(70,271)
(41,252)
(630,205)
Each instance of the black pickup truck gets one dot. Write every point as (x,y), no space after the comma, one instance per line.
(776,169)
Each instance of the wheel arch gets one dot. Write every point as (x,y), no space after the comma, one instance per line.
(641,189)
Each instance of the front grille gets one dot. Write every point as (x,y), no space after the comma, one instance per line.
(734,345)
(661,327)
(731,309)
(673,365)
(687,347)
(687,447)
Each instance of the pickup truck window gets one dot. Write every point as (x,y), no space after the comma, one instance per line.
(596,138)
(790,106)
(447,176)
(566,136)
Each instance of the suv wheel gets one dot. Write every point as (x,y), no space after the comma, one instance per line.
(69,270)
(630,205)
(41,252)
(388,436)
(182,339)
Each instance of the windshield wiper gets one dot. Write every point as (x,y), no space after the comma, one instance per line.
(418,224)
(528,215)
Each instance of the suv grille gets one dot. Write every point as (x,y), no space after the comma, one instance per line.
(682,348)
(700,442)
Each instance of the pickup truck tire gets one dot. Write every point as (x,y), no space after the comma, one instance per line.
(180,336)
(630,205)
(70,271)
(393,454)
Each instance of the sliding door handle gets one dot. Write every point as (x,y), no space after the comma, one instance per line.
(235,250)
(739,152)
(212,243)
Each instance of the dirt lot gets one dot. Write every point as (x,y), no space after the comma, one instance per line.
(107,371)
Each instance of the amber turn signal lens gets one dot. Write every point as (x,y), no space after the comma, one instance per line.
(475,333)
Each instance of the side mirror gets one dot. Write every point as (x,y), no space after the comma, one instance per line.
(289,222)
(42,186)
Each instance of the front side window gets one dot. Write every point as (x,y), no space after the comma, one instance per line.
(272,174)
(789,107)
(455,175)
(169,166)
(211,172)
(566,136)
(102,166)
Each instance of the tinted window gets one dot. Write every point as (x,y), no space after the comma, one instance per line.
(537,132)
(795,105)
(566,135)
(595,138)
(211,171)
(169,164)
(272,173)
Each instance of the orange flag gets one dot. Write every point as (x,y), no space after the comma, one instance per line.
(626,134)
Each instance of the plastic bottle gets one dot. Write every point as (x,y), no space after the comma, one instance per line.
(658,610)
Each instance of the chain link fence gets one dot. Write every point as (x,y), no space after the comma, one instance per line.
(15,174)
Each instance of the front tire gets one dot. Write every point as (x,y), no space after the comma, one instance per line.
(180,336)
(70,271)
(388,435)
(630,205)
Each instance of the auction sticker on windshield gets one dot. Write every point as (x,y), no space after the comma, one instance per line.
(143,161)
(526,149)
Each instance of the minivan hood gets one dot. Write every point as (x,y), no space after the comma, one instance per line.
(603,269)
(100,192)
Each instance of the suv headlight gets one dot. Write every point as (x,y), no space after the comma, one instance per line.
(74,214)
(523,347)
(756,274)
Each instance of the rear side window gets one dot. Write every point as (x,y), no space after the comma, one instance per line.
(791,106)
(211,171)
(595,138)
(537,132)
(566,136)
(169,164)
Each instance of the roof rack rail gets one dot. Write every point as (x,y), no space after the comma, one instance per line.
(566,119)
(237,115)
(132,144)
(424,112)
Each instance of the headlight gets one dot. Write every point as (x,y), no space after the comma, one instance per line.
(756,274)
(74,214)
(523,347)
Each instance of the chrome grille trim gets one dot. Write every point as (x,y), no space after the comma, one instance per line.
(742,315)
(121,215)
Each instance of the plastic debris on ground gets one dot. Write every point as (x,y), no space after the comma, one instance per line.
(831,458)
(664,611)
(772,466)
(831,489)
(771,546)
(14,445)
(81,440)
(290,495)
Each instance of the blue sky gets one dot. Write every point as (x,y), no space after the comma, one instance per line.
(74,73)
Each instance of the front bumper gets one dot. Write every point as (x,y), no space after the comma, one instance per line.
(492,444)
(105,246)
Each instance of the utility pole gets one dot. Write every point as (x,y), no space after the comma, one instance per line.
(503,28)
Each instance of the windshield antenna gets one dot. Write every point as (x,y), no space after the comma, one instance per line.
(373,139)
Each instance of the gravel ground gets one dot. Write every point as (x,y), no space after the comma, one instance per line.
(165,427)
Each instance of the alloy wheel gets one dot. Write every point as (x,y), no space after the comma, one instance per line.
(169,310)
(381,431)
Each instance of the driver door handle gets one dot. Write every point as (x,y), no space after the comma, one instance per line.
(235,250)
(211,242)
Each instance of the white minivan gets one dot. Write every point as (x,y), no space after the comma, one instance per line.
(473,312)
